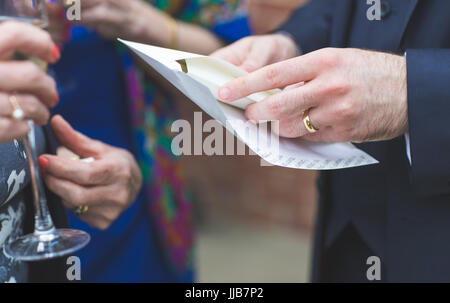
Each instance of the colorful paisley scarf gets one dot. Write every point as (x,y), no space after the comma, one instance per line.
(152,113)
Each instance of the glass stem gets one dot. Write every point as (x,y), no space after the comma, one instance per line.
(43,222)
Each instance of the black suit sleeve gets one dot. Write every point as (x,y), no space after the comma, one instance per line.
(310,25)
(429,119)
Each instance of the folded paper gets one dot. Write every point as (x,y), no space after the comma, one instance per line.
(199,78)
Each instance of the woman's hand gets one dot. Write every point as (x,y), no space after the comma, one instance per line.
(107,186)
(58,25)
(131,19)
(33,90)
(254,52)
(139,21)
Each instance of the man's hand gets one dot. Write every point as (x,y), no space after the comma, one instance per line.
(107,186)
(254,52)
(353,95)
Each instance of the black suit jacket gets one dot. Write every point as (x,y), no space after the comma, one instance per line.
(402,211)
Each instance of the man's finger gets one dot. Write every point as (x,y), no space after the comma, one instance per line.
(277,75)
(283,104)
(26,39)
(75,141)
(294,127)
(291,127)
(258,57)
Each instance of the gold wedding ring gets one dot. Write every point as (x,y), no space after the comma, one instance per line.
(81,210)
(17,113)
(308,124)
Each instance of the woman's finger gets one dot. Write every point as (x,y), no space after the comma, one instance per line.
(33,109)
(94,218)
(75,194)
(11,129)
(86,174)
(86,4)
(26,39)
(101,14)
(26,77)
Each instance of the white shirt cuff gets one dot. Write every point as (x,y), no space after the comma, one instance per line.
(408,148)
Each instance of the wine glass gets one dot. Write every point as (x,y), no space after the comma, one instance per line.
(46,242)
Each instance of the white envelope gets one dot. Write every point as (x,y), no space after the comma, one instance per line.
(199,77)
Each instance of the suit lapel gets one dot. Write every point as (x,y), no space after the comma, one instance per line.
(341,23)
(409,8)
(381,35)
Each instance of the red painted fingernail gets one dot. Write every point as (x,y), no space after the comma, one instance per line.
(44,164)
(56,53)
(57,98)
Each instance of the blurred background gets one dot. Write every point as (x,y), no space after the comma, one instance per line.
(254,223)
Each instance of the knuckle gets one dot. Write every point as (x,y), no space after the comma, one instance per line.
(275,106)
(102,225)
(30,73)
(329,58)
(126,174)
(103,10)
(98,146)
(111,216)
(272,76)
(45,115)
(251,112)
(77,196)
(101,172)
(10,29)
(31,106)
(121,198)
(287,130)
(346,110)
(89,177)
(308,95)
